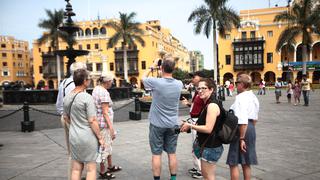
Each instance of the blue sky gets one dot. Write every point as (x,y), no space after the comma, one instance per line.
(20,18)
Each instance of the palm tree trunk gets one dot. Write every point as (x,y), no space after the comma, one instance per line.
(304,59)
(215,66)
(58,70)
(58,64)
(125,64)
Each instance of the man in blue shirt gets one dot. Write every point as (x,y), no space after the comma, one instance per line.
(163,115)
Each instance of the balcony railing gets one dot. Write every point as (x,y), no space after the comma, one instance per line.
(130,73)
(128,49)
(249,39)
(248,67)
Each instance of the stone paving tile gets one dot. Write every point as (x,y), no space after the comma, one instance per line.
(287,146)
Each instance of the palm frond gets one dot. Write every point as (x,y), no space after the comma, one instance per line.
(285,17)
(199,24)
(288,36)
(139,39)
(207,27)
(114,40)
(198,12)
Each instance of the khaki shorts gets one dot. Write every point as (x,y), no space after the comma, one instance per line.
(104,153)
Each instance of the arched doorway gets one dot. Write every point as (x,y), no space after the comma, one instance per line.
(270,77)
(255,77)
(287,76)
(316,77)
(316,52)
(51,84)
(227,76)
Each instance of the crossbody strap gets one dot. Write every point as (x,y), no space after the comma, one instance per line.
(64,87)
(72,103)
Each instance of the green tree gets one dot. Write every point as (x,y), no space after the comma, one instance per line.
(180,74)
(55,19)
(304,20)
(214,15)
(127,31)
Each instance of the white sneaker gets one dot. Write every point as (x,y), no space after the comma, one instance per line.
(197,175)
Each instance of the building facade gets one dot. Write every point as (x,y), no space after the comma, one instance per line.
(196,61)
(15,61)
(251,48)
(94,37)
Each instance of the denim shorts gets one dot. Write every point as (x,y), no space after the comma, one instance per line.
(162,139)
(210,155)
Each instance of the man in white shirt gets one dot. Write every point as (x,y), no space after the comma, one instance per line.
(246,108)
(65,87)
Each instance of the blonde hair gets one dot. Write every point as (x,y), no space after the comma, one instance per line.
(245,79)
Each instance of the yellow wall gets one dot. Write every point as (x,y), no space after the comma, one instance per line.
(17,58)
(156,41)
(260,21)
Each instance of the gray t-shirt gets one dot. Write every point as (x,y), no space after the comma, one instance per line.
(165,101)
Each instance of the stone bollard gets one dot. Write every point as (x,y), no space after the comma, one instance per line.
(136,115)
(26,124)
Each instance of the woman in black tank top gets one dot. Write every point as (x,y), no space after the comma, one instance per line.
(206,148)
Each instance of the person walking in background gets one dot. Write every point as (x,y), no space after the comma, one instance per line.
(277,87)
(105,114)
(65,87)
(196,106)
(306,87)
(296,92)
(206,147)
(163,115)
(264,87)
(226,85)
(84,135)
(260,92)
(231,88)
(289,91)
(243,151)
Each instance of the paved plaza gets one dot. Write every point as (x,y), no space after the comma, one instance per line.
(287,145)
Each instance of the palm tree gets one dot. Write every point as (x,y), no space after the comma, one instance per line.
(55,19)
(303,19)
(214,15)
(127,31)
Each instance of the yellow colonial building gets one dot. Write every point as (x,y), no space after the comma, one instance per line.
(94,37)
(15,61)
(251,48)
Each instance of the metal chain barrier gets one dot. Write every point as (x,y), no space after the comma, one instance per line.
(7,115)
(53,114)
(117,109)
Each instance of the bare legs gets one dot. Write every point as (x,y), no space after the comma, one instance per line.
(156,164)
(77,168)
(208,170)
(172,163)
(234,172)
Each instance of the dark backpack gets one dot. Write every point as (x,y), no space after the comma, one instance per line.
(228,130)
